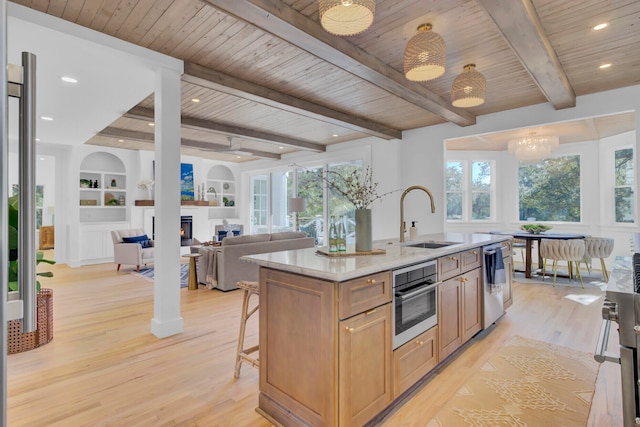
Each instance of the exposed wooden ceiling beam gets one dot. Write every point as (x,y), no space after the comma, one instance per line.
(520,26)
(113,132)
(141,113)
(290,25)
(212,79)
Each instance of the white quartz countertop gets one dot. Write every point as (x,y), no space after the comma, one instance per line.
(309,263)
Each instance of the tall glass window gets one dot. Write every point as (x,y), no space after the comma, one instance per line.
(454,190)
(281,191)
(480,190)
(550,190)
(623,186)
(259,204)
(309,187)
(469,190)
(270,193)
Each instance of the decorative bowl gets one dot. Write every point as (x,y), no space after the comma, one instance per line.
(535,228)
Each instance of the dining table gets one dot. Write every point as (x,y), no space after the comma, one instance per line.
(529,238)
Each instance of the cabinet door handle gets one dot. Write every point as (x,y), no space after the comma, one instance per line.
(420,342)
(371,281)
(366,313)
(350,330)
(475,252)
(452,258)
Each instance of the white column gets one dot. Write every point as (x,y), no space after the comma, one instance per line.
(166,302)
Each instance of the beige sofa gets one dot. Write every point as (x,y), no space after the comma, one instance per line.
(228,268)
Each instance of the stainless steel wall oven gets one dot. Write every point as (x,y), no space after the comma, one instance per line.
(415,300)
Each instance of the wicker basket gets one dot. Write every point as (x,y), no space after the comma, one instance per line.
(17,341)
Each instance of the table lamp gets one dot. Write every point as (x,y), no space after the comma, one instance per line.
(296,205)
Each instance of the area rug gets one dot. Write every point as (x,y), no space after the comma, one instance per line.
(526,383)
(148,273)
(590,280)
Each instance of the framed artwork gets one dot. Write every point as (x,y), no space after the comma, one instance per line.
(187,188)
(186,182)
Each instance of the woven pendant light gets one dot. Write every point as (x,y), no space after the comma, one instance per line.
(425,57)
(346,17)
(469,88)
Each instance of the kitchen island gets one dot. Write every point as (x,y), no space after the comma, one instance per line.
(326,327)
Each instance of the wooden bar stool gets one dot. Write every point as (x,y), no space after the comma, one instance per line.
(250,288)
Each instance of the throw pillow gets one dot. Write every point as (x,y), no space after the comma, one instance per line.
(141,240)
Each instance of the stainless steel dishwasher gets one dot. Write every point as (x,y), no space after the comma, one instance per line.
(494,279)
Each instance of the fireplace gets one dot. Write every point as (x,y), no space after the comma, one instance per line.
(186,230)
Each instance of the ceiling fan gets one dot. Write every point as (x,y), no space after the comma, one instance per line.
(236,149)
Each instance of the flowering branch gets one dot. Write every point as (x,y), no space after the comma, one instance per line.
(361,191)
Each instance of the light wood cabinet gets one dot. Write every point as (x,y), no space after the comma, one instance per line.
(316,367)
(452,265)
(459,311)
(471,303)
(365,366)
(414,360)
(359,295)
(449,266)
(470,259)
(449,317)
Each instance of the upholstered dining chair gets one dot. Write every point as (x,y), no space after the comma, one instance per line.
(572,251)
(521,244)
(598,247)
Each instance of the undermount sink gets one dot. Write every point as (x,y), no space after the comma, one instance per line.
(431,245)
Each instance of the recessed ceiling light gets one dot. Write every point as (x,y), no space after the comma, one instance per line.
(41,158)
(335,135)
(121,140)
(281,148)
(605,66)
(195,100)
(152,124)
(238,157)
(600,26)
(69,79)
(46,118)
(37,139)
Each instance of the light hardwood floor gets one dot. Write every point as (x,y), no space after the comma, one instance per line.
(104,368)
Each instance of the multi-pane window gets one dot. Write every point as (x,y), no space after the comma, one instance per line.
(270,193)
(454,181)
(311,189)
(623,186)
(469,190)
(550,190)
(480,190)
(259,207)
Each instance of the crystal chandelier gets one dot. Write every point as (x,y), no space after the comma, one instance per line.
(469,88)
(346,17)
(533,148)
(425,57)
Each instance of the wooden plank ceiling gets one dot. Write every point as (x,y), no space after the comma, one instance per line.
(267,75)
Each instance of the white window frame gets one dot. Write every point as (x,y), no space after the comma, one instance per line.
(467,191)
(350,155)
